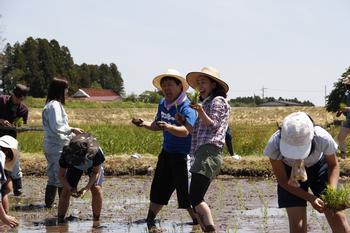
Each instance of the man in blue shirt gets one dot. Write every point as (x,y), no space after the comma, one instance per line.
(172,171)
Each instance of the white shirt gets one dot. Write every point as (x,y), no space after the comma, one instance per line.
(56,128)
(324,144)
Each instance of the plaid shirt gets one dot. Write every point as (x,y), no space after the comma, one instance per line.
(218,110)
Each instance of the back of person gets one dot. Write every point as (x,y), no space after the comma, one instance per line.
(54,132)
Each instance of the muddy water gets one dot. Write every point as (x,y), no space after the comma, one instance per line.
(238,205)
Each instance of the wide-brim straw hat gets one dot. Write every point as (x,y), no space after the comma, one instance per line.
(11,143)
(209,72)
(346,80)
(170,73)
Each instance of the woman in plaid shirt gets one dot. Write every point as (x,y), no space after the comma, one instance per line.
(208,138)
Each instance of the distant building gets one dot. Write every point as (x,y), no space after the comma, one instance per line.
(280,103)
(96,94)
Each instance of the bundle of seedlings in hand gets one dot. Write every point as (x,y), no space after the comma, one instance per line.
(337,199)
(18,122)
(195,97)
(298,173)
(341,108)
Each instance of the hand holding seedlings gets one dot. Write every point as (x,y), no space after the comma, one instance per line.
(137,121)
(318,204)
(342,109)
(198,107)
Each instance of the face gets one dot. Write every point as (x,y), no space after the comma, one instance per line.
(205,86)
(170,89)
(17,100)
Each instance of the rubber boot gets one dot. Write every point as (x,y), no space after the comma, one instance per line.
(50,194)
(17,186)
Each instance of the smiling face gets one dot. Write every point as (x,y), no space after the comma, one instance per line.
(205,86)
(170,88)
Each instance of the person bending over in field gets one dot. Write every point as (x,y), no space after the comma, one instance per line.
(301,146)
(8,157)
(82,154)
(171,171)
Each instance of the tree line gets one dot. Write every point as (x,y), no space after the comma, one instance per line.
(253,101)
(36,61)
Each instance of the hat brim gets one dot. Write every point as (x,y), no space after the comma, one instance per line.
(10,164)
(295,152)
(193,76)
(156,81)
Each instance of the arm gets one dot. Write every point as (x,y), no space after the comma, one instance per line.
(7,219)
(92,180)
(333,170)
(62,178)
(150,125)
(58,124)
(282,180)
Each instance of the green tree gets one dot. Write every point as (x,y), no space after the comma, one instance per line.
(337,94)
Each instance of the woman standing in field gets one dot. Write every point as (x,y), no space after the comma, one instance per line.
(56,135)
(297,141)
(208,138)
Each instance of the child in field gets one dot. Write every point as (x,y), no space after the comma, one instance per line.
(208,138)
(300,140)
(8,157)
(82,154)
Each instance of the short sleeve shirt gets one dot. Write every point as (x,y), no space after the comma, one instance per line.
(324,145)
(172,143)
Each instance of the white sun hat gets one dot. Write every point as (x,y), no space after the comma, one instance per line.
(11,143)
(170,73)
(297,133)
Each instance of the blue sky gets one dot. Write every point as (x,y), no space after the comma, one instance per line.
(293,48)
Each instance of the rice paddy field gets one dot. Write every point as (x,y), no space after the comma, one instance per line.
(240,203)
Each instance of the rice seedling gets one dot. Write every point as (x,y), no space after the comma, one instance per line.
(195,97)
(337,199)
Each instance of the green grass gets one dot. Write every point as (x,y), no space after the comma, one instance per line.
(114,139)
(71,103)
(128,139)
(248,139)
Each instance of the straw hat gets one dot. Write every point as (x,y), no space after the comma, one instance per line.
(209,72)
(346,80)
(170,73)
(11,143)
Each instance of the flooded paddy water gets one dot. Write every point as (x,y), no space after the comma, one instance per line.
(238,205)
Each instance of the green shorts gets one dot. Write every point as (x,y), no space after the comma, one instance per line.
(207,161)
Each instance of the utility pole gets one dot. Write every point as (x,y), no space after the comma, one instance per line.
(263,93)
(325,95)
